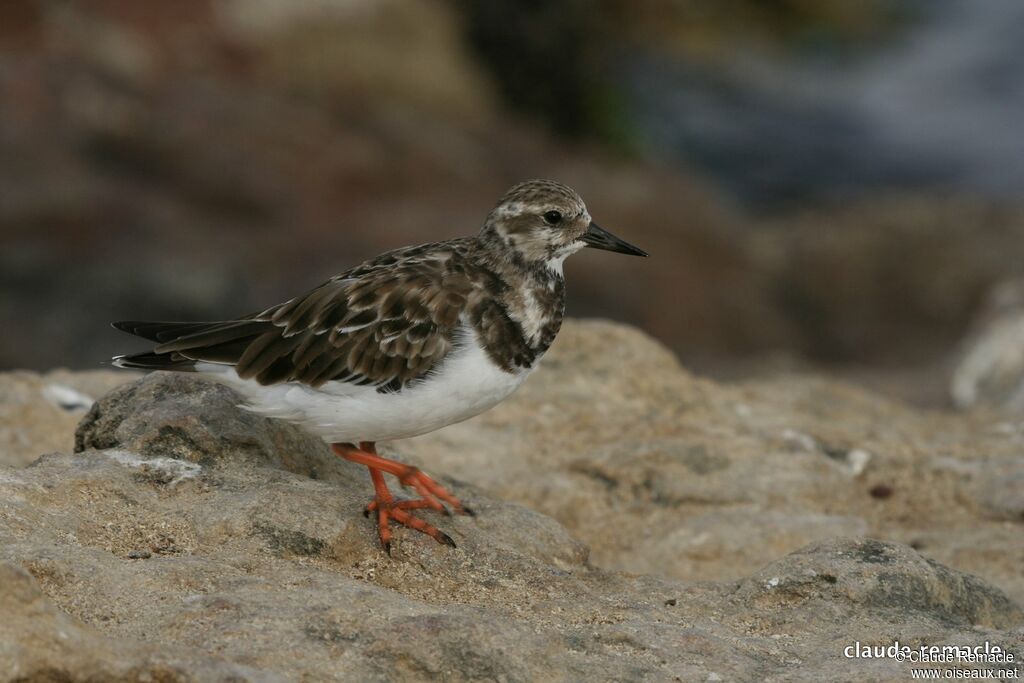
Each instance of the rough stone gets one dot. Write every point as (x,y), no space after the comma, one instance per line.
(39,642)
(188,539)
(203,424)
(38,413)
(660,472)
(990,370)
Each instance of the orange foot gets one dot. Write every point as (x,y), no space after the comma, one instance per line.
(386,507)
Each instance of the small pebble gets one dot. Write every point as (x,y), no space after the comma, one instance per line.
(880,491)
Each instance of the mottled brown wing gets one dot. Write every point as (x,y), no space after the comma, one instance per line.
(377,326)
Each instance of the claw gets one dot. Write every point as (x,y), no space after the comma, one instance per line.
(387,508)
(469,512)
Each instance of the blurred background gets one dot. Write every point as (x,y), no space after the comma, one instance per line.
(823,185)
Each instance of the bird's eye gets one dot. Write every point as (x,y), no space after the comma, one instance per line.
(552,217)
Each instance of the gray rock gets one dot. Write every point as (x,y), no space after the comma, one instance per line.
(990,371)
(998,489)
(660,472)
(38,413)
(187,539)
(264,574)
(888,580)
(39,642)
(186,416)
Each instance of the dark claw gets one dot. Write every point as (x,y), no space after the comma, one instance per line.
(387,548)
(445,512)
(467,511)
(446,539)
(366,513)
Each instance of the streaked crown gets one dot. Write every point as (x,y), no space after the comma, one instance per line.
(536,192)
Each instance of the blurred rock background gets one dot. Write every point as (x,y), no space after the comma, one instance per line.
(823,185)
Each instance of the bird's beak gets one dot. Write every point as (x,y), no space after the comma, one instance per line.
(599,238)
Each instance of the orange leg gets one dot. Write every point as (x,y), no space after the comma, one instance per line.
(407,505)
(407,475)
(386,507)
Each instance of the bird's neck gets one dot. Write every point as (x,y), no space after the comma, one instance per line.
(507,259)
(531,299)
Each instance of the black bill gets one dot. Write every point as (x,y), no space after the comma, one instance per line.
(599,238)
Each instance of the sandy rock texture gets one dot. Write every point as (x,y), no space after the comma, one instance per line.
(38,413)
(634,523)
(664,473)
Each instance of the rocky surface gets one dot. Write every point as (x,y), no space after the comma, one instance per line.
(990,371)
(38,413)
(634,523)
(662,472)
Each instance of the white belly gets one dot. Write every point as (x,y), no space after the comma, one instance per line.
(466,384)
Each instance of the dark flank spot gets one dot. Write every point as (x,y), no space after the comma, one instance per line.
(670,603)
(283,541)
(139,555)
(828,578)
(881,491)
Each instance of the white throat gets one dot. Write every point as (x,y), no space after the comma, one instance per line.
(555,264)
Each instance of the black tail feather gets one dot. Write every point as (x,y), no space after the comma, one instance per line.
(155,361)
(180,345)
(161,331)
(214,335)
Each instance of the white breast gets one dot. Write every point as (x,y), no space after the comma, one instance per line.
(466,384)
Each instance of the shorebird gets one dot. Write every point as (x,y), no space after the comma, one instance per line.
(406,343)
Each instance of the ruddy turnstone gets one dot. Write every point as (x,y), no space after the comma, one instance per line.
(414,340)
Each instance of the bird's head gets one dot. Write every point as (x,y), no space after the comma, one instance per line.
(545,221)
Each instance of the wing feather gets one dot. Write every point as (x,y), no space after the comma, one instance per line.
(385,323)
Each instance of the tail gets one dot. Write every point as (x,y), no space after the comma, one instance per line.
(180,345)
(154,361)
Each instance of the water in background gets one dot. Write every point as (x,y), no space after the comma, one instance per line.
(941,107)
